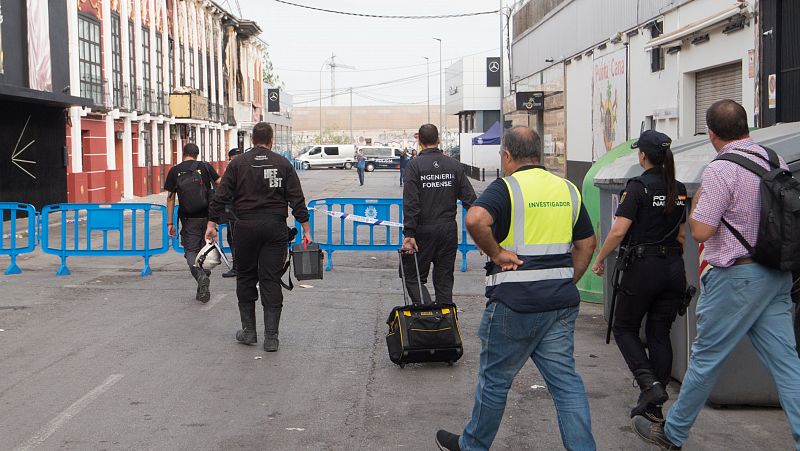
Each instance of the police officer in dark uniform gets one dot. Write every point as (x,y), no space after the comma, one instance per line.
(432,187)
(650,226)
(260,184)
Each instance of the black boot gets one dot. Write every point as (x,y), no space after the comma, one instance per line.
(247,334)
(203,282)
(272,318)
(231,273)
(652,396)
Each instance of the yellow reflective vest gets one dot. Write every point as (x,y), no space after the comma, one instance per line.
(544,211)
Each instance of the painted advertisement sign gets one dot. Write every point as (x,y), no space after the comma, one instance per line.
(609,102)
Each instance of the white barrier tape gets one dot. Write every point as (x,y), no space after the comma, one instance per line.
(357,218)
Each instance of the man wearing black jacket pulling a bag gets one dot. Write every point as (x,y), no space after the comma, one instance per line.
(433,185)
(192,181)
(261,185)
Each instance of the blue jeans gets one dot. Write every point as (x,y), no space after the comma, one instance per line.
(360,175)
(508,340)
(402,174)
(741,300)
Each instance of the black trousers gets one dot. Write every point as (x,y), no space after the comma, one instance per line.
(193,238)
(260,249)
(231,230)
(438,245)
(651,286)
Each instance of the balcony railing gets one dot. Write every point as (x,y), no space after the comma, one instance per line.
(118,93)
(147,101)
(165,104)
(126,97)
(92,88)
(229,118)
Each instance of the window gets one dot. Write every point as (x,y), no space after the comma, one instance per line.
(657,53)
(89,59)
(331,151)
(200,66)
(135,97)
(191,67)
(160,72)
(208,74)
(116,59)
(315,151)
(146,86)
(171,63)
(181,67)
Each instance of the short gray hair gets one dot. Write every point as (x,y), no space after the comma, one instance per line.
(523,143)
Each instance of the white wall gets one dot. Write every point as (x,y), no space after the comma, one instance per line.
(671,88)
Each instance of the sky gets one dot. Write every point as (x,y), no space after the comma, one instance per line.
(381,50)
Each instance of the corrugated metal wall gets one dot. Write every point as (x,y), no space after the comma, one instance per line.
(578,25)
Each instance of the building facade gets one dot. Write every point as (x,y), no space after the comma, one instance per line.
(613,68)
(473,96)
(160,74)
(34,80)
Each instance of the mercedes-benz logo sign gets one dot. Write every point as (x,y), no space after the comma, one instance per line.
(494,66)
(273,96)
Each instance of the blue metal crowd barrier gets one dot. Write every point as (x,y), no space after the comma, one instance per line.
(80,222)
(14,248)
(222,235)
(345,238)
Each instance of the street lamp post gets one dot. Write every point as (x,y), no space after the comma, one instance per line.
(502,53)
(441,92)
(428,65)
(320,99)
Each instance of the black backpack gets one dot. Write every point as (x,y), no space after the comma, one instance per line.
(192,191)
(778,242)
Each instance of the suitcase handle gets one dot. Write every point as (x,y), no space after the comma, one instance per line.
(403,274)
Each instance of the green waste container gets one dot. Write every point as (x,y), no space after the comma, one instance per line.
(591,286)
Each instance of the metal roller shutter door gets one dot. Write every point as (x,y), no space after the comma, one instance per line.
(720,83)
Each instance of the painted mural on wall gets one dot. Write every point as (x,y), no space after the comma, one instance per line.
(40,76)
(609,102)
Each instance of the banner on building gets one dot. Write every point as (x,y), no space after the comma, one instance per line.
(273,100)
(609,102)
(493,72)
(40,76)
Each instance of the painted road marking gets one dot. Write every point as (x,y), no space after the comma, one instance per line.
(59,421)
(214,301)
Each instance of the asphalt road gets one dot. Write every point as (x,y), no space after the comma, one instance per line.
(106,359)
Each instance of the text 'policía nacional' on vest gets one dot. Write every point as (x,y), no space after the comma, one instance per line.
(438,180)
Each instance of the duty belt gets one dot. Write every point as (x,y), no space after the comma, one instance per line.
(656,251)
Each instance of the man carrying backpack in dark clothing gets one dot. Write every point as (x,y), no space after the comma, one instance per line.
(744,293)
(192,181)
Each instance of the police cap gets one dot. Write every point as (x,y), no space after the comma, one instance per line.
(652,142)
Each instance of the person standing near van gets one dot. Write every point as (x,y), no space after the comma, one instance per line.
(650,225)
(361,165)
(433,185)
(404,157)
(192,181)
(262,185)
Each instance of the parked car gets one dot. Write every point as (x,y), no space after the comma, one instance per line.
(382,157)
(328,156)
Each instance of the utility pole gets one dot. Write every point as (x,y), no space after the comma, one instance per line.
(320,100)
(502,118)
(442,125)
(352,141)
(428,65)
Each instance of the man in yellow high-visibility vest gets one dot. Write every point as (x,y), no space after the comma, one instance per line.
(540,239)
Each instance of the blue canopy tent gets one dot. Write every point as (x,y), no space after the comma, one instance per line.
(491,137)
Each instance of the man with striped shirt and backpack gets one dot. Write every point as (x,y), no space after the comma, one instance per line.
(744,213)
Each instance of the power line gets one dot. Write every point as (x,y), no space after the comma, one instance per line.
(376,99)
(379,16)
(382,69)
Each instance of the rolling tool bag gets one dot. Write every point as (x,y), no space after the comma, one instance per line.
(423,332)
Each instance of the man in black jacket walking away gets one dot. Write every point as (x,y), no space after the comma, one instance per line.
(192,181)
(433,185)
(260,184)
